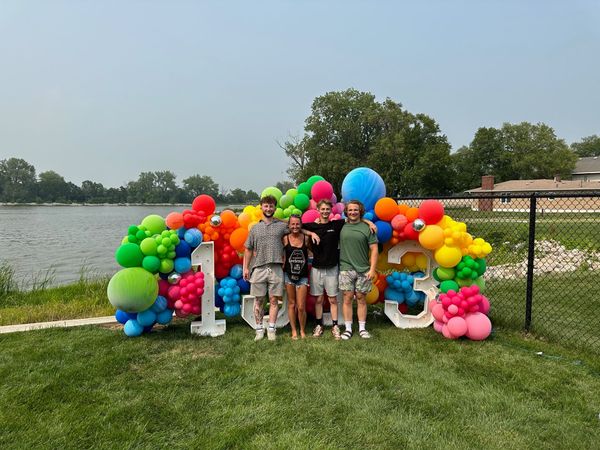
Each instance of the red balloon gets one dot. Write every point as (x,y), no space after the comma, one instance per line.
(431,211)
(410,233)
(204,203)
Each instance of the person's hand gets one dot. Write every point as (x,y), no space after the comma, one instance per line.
(246,274)
(373,227)
(315,238)
(372,275)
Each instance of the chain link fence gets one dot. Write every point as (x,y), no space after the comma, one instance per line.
(544,268)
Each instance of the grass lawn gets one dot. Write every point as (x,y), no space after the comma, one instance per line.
(93,387)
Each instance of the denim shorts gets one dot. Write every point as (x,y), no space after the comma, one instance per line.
(301,282)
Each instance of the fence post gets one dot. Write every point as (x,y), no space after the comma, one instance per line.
(530,257)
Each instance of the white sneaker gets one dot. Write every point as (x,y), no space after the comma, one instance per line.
(260,333)
(271,334)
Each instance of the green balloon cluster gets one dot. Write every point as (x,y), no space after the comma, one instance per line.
(294,201)
(149,245)
(469,268)
(467,272)
(132,289)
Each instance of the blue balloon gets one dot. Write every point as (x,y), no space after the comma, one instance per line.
(146,318)
(132,316)
(148,329)
(236,271)
(219,303)
(183,249)
(132,328)
(165,316)
(244,286)
(231,309)
(160,304)
(193,236)
(122,316)
(181,232)
(394,295)
(384,231)
(363,184)
(183,264)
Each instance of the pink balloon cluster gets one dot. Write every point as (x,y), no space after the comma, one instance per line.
(462,313)
(185,296)
(322,190)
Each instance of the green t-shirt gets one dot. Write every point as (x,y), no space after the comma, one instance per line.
(355,240)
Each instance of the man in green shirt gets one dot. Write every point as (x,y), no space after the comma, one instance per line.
(358,258)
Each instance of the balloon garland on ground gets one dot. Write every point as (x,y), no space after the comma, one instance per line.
(157,279)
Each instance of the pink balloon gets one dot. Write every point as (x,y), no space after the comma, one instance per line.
(163,287)
(479,326)
(446,333)
(334,199)
(339,208)
(196,310)
(179,313)
(437,326)
(335,217)
(321,190)
(310,216)
(432,303)
(399,222)
(457,326)
(484,305)
(178,304)
(437,311)
(312,204)
(174,292)
(453,309)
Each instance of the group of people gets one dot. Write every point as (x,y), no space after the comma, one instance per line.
(344,258)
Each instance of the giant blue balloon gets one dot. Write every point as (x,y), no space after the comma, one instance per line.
(363,184)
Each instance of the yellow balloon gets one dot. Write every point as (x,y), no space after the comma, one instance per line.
(249,210)
(422,262)
(408,259)
(373,296)
(448,256)
(244,219)
(251,224)
(431,237)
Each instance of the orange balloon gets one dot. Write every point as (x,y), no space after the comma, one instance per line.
(238,238)
(174,220)
(244,219)
(411,214)
(228,218)
(402,208)
(386,208)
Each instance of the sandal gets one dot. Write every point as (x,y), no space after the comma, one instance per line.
(365,334)
(346,335)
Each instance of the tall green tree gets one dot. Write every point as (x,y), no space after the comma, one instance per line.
(93,192)
(589,146)
(52,187)
(350,128)
(18,180)
(201,184)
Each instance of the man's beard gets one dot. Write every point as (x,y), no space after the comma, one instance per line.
(267,215)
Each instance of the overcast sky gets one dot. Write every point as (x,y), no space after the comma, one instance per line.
(105,90)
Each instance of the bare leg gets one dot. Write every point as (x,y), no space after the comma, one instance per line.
(291,297)
(319,307)
(361,307)
(273,308)
(334,307)
(301,292)
(347,307)
(259,311)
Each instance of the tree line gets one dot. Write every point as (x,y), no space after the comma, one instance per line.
(348,129)
(19,183)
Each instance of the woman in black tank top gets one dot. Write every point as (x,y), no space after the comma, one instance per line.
(295,268)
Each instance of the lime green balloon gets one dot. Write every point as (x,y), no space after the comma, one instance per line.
(296,212)
(285,201)
(161,250)
(148,247)
(125,240)
(481,283)
(151,264)
(129,255)
(312,180)
(291,193)
(448,285)
(171,255)
(279,214)
(132,290)
(272,190)
(302,202)
(445,273)
(464,282)
(166,265)
(154,223)
(303,188)
(287,212)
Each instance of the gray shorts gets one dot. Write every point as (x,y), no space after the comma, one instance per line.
(351,280)
(324,280)
(267,278)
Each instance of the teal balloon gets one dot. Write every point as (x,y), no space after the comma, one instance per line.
(129,255)
(132,328)
(302,201)
(146,318)
(151,263)
(132,290)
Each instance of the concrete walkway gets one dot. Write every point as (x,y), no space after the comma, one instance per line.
(57,324)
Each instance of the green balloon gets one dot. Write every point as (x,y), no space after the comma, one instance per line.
(296,212)
(435,276)
(312,180)
(285,201)
(481,283)
(132,290)
(148,247)
(272,190)
(304,188)
(302,201)
(151,264)
(464,282)
(140,235)
(445,273)
(154,223)
(287,212)
(279,214)
(482,265)
(166,265)
(292,193)
(448,285)
(129,255)
(132,229)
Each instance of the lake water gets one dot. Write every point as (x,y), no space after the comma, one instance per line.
(63,239)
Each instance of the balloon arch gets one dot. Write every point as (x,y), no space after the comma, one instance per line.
(430,269)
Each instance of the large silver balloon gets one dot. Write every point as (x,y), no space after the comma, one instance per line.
(215,221)
(419,225)
(174,278)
